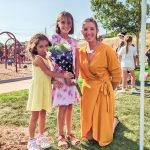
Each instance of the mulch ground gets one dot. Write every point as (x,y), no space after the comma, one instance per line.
(13,138)
(10,72)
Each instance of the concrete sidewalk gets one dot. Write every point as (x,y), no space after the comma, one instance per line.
(14,86)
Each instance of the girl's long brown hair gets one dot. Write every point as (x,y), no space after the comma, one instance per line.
(128,39)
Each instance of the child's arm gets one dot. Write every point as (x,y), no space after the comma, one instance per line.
(77,63)
(40,63)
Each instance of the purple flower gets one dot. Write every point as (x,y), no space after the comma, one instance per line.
(56,39)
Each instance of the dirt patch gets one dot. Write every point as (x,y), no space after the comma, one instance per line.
(13,138)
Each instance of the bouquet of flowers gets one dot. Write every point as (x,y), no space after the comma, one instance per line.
(62,55)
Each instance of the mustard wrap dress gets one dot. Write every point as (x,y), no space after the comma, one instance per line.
(97,101)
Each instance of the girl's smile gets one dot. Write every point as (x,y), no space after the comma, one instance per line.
(65,25)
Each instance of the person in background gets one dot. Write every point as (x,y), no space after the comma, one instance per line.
(121,36)
(148,57)
(127,56)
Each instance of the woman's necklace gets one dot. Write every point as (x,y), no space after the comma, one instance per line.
(90,52)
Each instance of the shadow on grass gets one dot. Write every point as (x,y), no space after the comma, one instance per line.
(123,143)
(120,142)
(147,83)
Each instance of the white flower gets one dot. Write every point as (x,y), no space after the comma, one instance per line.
(49,53)
(67,46)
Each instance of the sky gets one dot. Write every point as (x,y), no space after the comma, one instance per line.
(25,18)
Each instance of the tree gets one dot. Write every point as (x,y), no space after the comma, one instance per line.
(116,16)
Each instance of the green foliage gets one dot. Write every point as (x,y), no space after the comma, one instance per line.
(116,16)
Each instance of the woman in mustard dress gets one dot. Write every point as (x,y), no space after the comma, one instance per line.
(100,71)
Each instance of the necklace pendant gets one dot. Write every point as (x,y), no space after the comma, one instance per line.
(90,51)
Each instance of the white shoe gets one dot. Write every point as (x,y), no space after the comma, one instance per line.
(32,145)
(134,91)
(123,90)
(42,142)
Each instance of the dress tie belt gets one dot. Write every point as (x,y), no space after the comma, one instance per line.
(105,90)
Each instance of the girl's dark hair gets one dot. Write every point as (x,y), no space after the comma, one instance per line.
(32,44)
(93,21)
(62,15)
(128,39)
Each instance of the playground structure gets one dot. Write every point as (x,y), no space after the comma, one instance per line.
(1,51)
(12,53)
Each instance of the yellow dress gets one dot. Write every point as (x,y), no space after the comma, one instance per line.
(40,94)
(97,101)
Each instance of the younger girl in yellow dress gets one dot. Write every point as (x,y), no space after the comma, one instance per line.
(39,100)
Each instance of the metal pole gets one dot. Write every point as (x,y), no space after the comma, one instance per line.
(142,70)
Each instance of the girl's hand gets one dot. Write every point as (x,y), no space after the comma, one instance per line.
(68,75)
(69,82)
(57,84)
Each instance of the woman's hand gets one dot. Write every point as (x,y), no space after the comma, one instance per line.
(114,85)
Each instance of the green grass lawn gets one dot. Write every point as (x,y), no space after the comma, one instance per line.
(137,72)
(13,113)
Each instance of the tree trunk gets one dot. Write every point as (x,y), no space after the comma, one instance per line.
(137,46)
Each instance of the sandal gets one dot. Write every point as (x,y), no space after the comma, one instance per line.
(62,142)
(74,141)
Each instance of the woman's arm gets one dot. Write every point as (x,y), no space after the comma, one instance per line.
(113,67)
(40,63)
